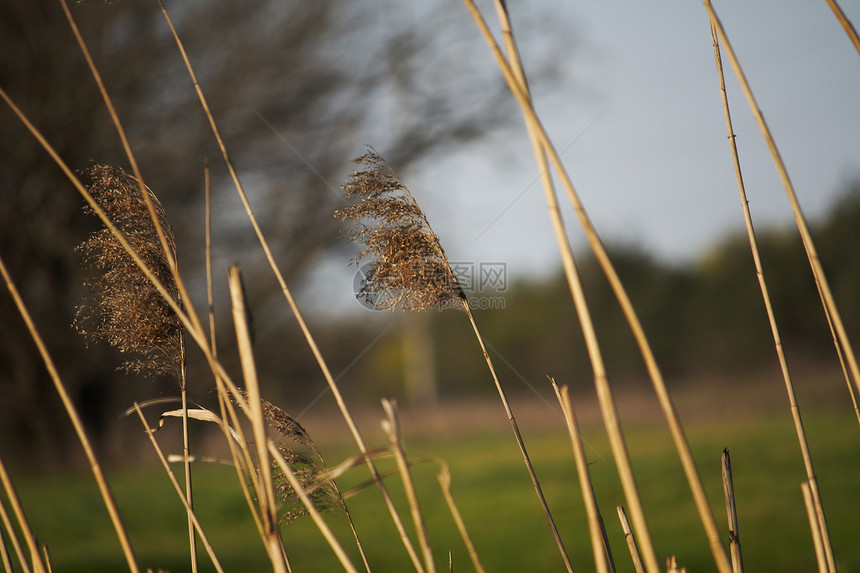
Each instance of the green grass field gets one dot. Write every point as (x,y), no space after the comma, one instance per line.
(494,495)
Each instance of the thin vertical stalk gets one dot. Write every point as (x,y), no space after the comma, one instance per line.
(603,561)
(4,554)
(95,467)
(732,513)
(602,257)
(630,539)
(814,528)
(829,304)
(513,75)
(13,536)
(47,555)
(444,477)
(23,524)
(519,439)
(241,459)
(391,426)
(266,492)
(783,363)
(186,453)
(846,24)
(178,488)
(350,422)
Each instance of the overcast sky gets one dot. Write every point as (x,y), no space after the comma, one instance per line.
(638,118)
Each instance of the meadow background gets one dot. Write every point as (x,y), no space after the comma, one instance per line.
(298,90)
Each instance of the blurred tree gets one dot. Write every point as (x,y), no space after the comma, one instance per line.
(295,87)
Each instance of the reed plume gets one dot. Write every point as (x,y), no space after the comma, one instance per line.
(121,306)
(408,268)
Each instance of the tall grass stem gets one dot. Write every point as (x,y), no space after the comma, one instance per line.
(600,547)
(630,539)
(179,491)
(391,426)
(519,439)
(831,311)
(266,492)
(783,362)
(444,477)
(5,558)
(845,23)
(702,505)
(77,424)
(731,513)
(815,529)
(24,527)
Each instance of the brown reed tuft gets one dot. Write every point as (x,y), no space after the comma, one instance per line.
(311,473)
(121,306)
(284,424)
(409,269)
(322,491)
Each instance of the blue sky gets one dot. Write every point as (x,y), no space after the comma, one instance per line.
(638,114)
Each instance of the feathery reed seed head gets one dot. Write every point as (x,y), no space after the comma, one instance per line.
(408,269)
(322,491)
(310,472)
(121,306)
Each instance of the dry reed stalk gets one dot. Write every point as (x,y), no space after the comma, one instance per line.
(410,271)
(444,477)
(241,456)
(353,428)
(672,566)
(29,538)
(80,432)
(599,542)
(732,513)
(846,24)
(517,82)
(667,406)
(815,529)
(843,344)
(266,492)
(4,554)
(630,540)
(391,427)
(47,556)
(16,544)
(789,386)
(574,283)
(179,491)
